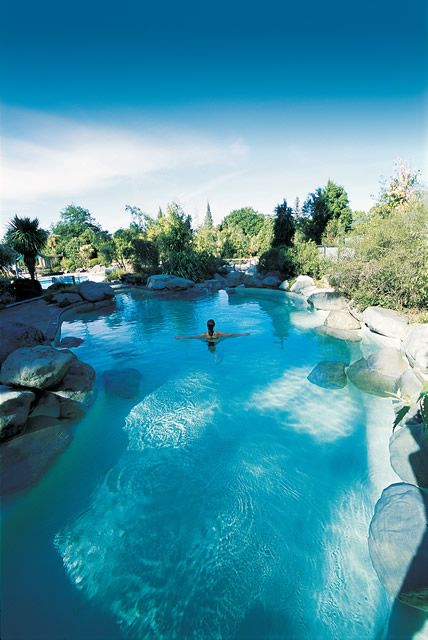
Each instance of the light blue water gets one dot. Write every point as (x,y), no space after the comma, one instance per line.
(231,499)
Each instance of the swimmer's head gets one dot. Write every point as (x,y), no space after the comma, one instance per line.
(210,327)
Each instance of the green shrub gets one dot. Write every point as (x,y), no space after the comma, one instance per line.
(389,266)
(307,260)
(278,259)
(114,274)
(192,265)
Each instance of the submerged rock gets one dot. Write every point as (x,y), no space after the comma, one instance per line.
(329,375)
(340,334)
(408,449)
(327,301)
(370,380)
(95,291)
(386,322)
(24,459)
(70,341)
(15,406)
(17,334)
(75,392)
(124,383)
(38,367)
(398,543)
(416,347)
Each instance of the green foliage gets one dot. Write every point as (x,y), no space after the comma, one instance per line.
(284,226)
(324,204)
(278,259)
(172,233)
(192,265)
(389,266)
(7,258)
(145,256)
(25,236)
(307,260)
(238,232)
(400,191)
(208,221)
(114,274)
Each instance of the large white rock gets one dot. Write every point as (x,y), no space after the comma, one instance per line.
(14,409)
(327,301)
(168,282)
(415,346)
(302,283)
(409,386)
(284,286)
(38,367)
(379,374)
(340,334)
(386,322)
(342,319)
(95,291)
(398,543)
(408,450)
(17,334)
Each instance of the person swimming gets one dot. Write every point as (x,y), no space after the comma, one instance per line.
(210,335)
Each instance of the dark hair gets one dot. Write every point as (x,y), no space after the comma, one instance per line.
(210,325)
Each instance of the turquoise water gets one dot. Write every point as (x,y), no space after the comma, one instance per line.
(230,499)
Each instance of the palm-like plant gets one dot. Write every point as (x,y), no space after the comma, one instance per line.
(26,237)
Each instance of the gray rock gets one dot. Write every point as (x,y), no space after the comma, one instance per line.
(14,409)
(124,383)
(48,406)
(408,449)
(17,334)
(70,341)
(220,278)
(340,334)
(95,291)
(233,278)
(284,286)
(302,283)
(388,361)
(65,299)
(409,386)
(38,367)
(398,543)
(386,322)
(24,459)
(271,282)
(370,380)
(168,282)
(329,375)
(415,346)
(327,301)
(76,391)
(252,281)
(342,319)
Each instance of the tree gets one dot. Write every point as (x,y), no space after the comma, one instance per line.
(173,232)
(324,204)
(26,237)
(238,230)
(208,221)
(284,226)
(400,191)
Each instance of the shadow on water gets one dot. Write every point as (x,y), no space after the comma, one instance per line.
(405,621)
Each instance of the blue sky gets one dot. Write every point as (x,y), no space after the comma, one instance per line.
(239,104)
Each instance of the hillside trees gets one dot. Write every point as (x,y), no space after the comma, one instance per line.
(327,205)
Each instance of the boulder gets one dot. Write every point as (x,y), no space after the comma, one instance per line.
(170,283)
(15,406)
(284,286)
(271,281)
(409,386)
(17,334)
(124,383)
(38,367)
(340,334)
(233,278)
(342,319)
(25,289)
(415,346)
(251,270)
(212,284)
(25,458)
(70,341)
(329,375)
(398,543)
(386,322)
(252,281)
(219,277)
(388,361)
(408,450)
(302,283)
(75,392)
(65,299)
(48,406)
(327,301)
(95,291)
(373,375)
